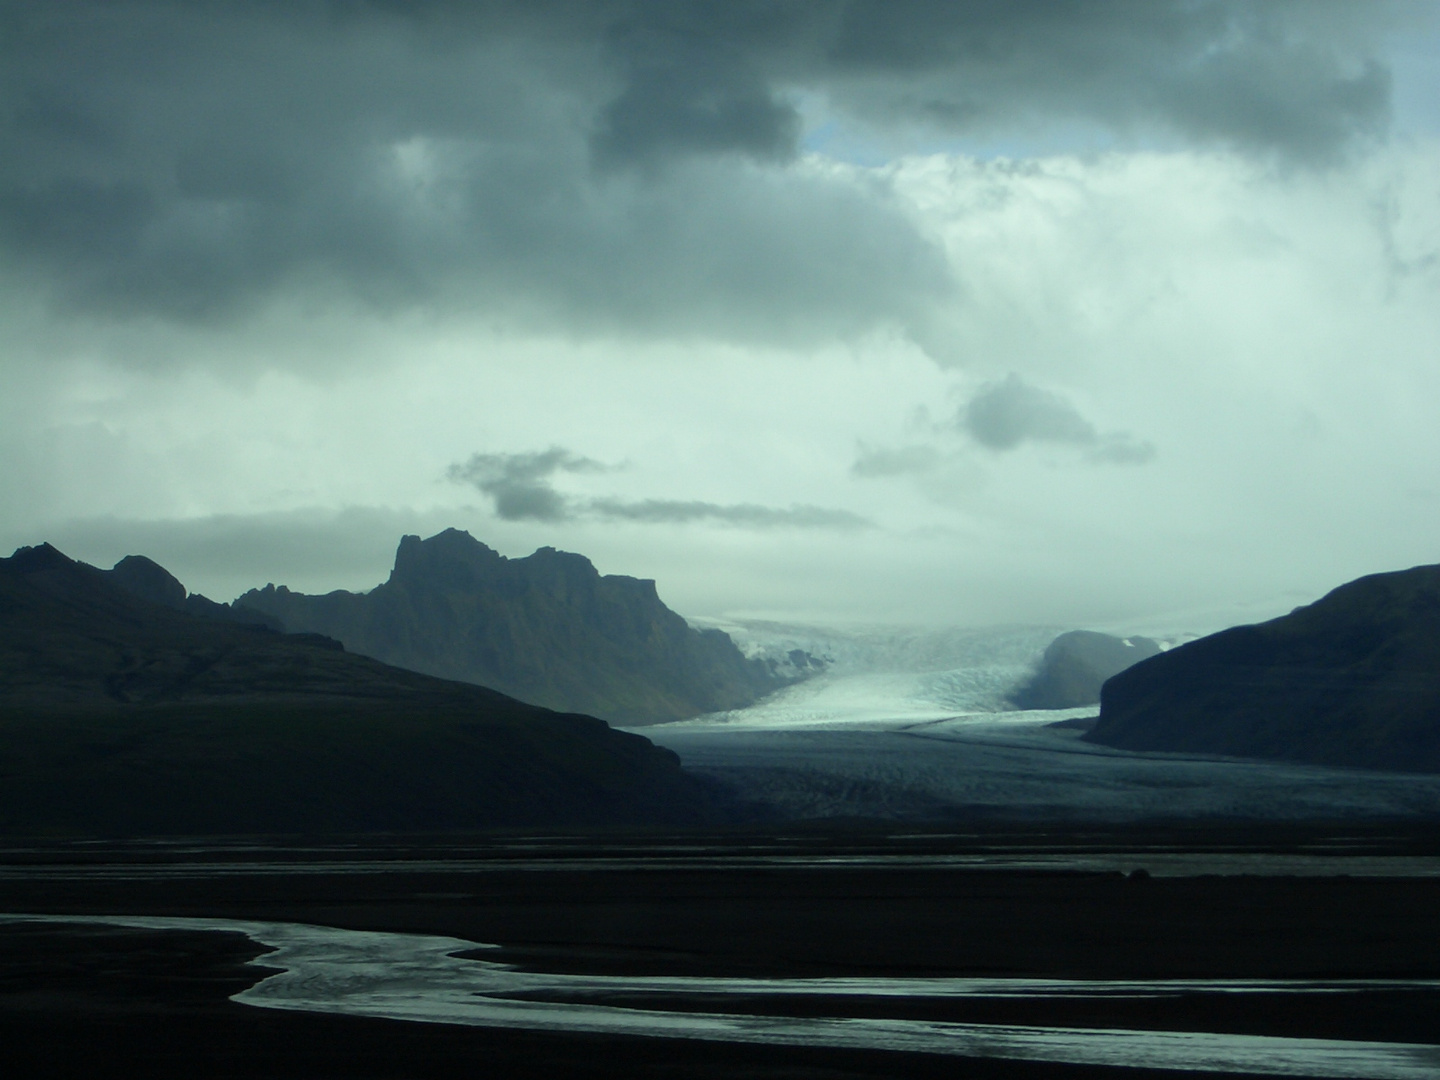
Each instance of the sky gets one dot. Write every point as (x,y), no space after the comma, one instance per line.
(1123,315)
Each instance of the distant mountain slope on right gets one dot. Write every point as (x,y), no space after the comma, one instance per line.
(1352,679)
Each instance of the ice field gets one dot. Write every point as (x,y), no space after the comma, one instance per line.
(914,725)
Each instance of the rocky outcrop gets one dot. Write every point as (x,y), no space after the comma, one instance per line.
(547,629)
(1074,667)
(1352,679)
(119,716)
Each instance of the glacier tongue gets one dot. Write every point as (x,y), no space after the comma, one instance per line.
(871,675)
(914,725)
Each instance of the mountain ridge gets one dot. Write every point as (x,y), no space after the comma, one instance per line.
(147,579)
(119,716)
(547,628)
(1352,679)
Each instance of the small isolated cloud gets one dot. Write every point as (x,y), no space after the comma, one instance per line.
(1005,414)
(873,462)
(520,486)
(520,483)
(744,515)
(1118,448)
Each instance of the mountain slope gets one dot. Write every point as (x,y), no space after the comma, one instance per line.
(120,716)
(1352,679)
(150,581)
(547,628)
(1076,665)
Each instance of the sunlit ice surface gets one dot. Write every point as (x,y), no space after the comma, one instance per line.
(420,978)
(881,677)
(880,701)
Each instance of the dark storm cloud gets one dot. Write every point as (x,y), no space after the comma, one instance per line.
(520,486)
(690,92)
(189,159)
(1005,414)
(520,483)
(1278,77)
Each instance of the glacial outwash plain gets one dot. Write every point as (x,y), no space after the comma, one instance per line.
(236,850)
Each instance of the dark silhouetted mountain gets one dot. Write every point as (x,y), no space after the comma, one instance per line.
(1352,679)
(150,581)
(547,629)
(1074,667)
(119,716)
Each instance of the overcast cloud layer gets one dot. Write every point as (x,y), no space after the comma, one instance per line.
(591,164)
(956,311)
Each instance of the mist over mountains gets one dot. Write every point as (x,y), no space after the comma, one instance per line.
(547,628)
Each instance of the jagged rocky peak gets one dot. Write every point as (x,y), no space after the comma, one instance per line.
(451,557)
(454,560)
(561,571)
(547,628)
(37,559)
(562,576)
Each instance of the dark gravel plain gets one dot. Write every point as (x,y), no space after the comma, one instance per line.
(91,1000)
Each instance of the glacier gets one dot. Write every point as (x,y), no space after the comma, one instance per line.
(913,724)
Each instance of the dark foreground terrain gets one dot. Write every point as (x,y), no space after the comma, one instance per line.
(123,717)
(1266,903)
(1350,680)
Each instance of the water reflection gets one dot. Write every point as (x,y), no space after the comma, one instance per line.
(418,978)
